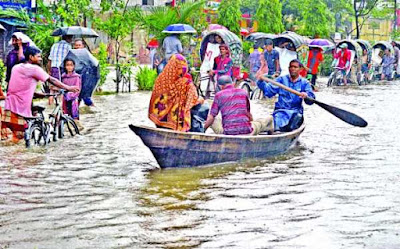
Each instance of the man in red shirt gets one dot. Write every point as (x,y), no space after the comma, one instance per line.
(344,56)
(315,57)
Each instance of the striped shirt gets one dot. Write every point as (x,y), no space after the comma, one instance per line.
(234,105)
(58,52)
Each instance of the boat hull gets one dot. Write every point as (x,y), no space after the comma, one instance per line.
(189,149)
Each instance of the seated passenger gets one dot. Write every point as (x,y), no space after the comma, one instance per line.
(234,105)
(21,88)
(173,97)
(222,63)
(288,113)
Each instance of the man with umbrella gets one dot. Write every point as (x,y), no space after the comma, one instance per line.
(57,55)
(315,57)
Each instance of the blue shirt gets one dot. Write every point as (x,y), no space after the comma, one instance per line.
(270,58)
(172,45)
(255,62)
(289,105)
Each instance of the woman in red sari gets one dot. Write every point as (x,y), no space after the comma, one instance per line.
(174,95)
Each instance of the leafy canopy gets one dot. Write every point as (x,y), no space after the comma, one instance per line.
(229,15)
(269,16)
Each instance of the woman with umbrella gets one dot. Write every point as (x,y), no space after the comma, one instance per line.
(20,42)
(315,57)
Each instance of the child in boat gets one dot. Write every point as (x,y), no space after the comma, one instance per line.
(70,101)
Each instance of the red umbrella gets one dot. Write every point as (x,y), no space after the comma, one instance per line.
(153,43)
(244,32)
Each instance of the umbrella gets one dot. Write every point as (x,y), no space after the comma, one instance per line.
(153,43)
(244,32)
(320,43)
(88,67)
(75,31)
(2,27)
(179,29)
(215,26)
(24,38)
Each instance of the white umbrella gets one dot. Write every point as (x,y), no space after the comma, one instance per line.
(24,38)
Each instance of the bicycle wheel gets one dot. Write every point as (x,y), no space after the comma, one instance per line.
(36,135)
(69,123)
(257,94)
(53,131)
(331,79)
(245,86)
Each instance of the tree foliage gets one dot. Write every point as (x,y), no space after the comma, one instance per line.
(229,15)
(315,19)
(39,25)
(74,12)
(269,16)
(158,18)
(362,9)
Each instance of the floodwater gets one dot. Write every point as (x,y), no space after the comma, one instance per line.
(338,188)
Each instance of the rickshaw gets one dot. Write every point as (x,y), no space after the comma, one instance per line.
(366,77)
(377,54)
(259,38)
(205,84)
(354,71)
(290,46)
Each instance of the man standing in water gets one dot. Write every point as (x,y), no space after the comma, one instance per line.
(271,59)
(288,113)
(57,55)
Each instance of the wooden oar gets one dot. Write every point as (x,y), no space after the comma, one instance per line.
(346,116)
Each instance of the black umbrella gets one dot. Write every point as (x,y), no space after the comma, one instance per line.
(88,67)
(75,31)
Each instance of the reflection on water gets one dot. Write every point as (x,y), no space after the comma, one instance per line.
(337,189)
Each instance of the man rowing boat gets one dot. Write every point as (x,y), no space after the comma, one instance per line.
(288,113)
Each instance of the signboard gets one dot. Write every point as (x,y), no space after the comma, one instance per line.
(17,4)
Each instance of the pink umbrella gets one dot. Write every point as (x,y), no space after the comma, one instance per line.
(215,26)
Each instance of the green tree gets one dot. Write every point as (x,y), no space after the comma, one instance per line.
(74,12)
(269,16)
(229,15)
(362,10)
(117,26)
(41,28)
(315,19)
(156,19)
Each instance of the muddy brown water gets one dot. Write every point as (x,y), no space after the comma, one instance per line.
(338,188)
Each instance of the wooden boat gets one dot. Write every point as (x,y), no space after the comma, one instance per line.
(188,149)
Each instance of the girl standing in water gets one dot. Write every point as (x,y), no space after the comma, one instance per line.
(70,100)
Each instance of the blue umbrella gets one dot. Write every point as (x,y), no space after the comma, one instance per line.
(179,29)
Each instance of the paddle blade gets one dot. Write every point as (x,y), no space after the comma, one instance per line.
(346,116)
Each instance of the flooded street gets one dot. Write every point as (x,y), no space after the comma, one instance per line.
(338,188)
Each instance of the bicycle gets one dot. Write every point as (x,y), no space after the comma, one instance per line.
(58,120)
(257,94)
(38,130)
(335,77)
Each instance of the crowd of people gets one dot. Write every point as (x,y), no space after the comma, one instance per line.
(24,71)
